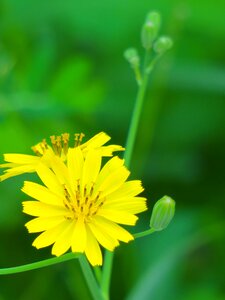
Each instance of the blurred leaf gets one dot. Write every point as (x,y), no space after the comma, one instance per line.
(73,87)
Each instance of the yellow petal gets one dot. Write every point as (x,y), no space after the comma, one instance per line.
(79,237)
(113,229)
(92,250)
(41,193)
(21,158)
(49,236)
(75,161)
(63,241)
(49,179)
(96,141)
(39,209)
(58,167)
(120,217)
(92,165)
(112,181)
(17,171)
(103,238)
(8,165)
(43,223)
(127,189)
(112,165)
(108,150)
(132,205)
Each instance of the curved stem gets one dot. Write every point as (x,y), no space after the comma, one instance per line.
(90,279)
(144,233)
(38,265)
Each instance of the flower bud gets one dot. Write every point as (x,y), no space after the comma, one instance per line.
(150,29)
(132,57)
(163,44)
(162,214)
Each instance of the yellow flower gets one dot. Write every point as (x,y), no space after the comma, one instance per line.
(82,204)
(21,163)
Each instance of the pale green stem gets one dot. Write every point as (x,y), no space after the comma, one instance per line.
(90,279)
(98,274)
(144,233)
(108,261)
(38,265)
(132,133)
(106,273)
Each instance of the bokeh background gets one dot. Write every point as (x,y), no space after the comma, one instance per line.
(62,70)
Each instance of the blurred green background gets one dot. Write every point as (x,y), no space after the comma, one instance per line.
(62,70)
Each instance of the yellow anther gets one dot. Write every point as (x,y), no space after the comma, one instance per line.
(58,140)
(52,138)
(81,137)
(36,151)
(65,138)
(44,143)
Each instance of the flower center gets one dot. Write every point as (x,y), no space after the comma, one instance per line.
(59,143)
(82,203)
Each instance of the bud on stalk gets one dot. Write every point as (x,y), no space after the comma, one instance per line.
(162,214)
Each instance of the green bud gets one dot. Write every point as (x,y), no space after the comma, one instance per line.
(162,214)
(150,29)
(163,44)
(132,57)
(155,18)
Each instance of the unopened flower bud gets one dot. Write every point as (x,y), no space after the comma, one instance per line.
(150,29)
(132,57)
(162,214)
(163,44)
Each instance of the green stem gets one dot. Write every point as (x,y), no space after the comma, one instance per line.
(39,264)
(90,279)
(144,233)
(98,273)
(106,273)
(136,116)
(108,261)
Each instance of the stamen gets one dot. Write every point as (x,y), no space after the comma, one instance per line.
(78,138)
(82,135)
(44,143)
(67,195)
(59,145)
(65,137)
(36,151)
(85,190)
(53,141)
(66,205)
(92,189)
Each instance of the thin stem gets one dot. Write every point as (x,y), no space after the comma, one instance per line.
(107,272)
(38,265)
(107,269)
(90,279)
(144,233)
(136,114)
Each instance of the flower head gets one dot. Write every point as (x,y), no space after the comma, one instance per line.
(81,204)
(18,164)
